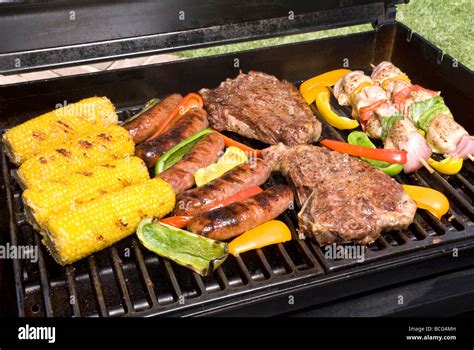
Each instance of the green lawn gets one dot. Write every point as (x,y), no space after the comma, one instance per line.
(448,24)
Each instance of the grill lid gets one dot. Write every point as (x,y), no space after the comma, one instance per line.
(50,33)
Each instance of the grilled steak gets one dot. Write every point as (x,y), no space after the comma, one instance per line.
(259,106)
(239,217)
(341,198)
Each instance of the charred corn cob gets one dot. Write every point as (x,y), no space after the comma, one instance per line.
(81,187)
(83,152)
(73,234)
(50,130)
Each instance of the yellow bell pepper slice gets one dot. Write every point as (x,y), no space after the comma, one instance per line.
(271,232)
(321,95)
(427,198)
(397,77)
(421,132)
(326,79)
(448,166)
(232,157)
(358,89)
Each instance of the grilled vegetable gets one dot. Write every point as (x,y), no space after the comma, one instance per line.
(189,101)
(326,79)
(322,95)
(82,186)
(386,155)
(51,130)
(400,97)
(232,157)
(359,138)
(427,198)
(148,105)
(423,112)
(232,143)
(448,166)
(80,154)
(175,154)
(367,112)
(271,232)
(195,252)
(240,196)
(73,234)
(176,221)
(387,124)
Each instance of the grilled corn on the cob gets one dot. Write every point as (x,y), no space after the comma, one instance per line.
(81,187)
(82,152)
(71,235)
(50,130)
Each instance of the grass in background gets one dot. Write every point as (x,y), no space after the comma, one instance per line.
(448,24)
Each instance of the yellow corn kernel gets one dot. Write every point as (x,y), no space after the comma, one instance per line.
(82,152)
(71,235)
(82,186)
(50,130)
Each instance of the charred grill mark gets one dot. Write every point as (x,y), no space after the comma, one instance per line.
(108,166)
(39,135)
(85,173)
(85,144)
(105,137)
(66,126)
(64,152)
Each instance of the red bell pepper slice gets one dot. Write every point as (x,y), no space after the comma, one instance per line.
(230,142)
(385,155)
(368,111)
(400,97)
(182,221)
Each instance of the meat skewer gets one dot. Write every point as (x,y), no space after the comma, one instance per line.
(380,118)
(443,134)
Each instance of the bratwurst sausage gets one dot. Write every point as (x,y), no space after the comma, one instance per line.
(239,217)
(190,123)
(181,175)
(146,124)
(204,198)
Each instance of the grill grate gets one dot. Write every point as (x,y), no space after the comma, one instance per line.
(128,280)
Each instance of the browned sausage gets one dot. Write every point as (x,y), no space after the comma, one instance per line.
(181,175)
(146,124)
(190,123)
(238,179)
(239,217)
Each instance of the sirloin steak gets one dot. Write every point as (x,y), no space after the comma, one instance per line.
(341,197)
(259,106)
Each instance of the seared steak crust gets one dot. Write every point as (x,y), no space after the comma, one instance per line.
(341,197)
(259,106)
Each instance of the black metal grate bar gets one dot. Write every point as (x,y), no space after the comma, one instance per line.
(72,288)
(144,276)
(117,266)
(99,294)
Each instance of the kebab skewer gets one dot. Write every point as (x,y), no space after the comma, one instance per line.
(381,119)
(427,110)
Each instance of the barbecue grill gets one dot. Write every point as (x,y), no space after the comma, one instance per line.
(430,264)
